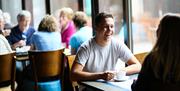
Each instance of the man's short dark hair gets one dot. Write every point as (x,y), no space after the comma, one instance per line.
(101,16)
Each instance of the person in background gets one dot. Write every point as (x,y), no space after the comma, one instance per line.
(47,37)
(7,26)
(97,57)
(2,24)
(84,32)
(21,34)
(7,19)
(7,23)
(4,45)
(160,70)
(66,25)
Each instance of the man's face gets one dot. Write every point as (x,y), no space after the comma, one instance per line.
(24,23)
(105,29)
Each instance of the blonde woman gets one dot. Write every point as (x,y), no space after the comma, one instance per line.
(66,24)
(47,37)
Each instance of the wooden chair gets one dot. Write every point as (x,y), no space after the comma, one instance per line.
(141,56)
(70,59)
(46,65)
(7,70)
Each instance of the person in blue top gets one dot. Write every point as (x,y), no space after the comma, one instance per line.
(84,32)
(21,34)
(47,37)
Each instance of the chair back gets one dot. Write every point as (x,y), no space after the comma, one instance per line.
(141,56)
(71,59)
(46,63)
(73,85)
(7,70)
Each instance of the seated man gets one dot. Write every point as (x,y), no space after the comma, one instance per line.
(21,34)
(97,57)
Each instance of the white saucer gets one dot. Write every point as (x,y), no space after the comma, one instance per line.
(122,79)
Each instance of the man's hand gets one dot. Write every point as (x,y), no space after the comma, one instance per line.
(19,44)
(108,75)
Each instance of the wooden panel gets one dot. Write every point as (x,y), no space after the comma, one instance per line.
(141,56)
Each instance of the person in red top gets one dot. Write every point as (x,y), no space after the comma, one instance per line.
(66,24)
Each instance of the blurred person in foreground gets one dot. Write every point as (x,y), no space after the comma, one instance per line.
(161,67)
(83,31)
(21,34)
(97,57)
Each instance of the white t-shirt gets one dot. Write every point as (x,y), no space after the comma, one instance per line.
(4,45)
(95,58)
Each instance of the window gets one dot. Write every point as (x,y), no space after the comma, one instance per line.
(146,15)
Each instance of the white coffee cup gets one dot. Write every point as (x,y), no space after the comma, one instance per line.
(121,74)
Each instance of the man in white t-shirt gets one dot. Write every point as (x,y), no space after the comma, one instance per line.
(96,58)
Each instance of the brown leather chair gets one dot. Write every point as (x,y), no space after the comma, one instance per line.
(7,70)
(46,65)
(141,56)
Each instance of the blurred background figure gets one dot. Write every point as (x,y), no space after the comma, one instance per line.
(83,33)
(66,24)
(21,34)
(4,45)
(1,12)
(7,24)
(7,19)
(47,37)
(2,24)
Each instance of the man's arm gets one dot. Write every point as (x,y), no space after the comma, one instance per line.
(134,66)
(77,74)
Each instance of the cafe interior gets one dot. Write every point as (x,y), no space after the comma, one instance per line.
(26,69)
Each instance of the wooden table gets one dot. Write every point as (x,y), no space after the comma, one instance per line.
(101,85)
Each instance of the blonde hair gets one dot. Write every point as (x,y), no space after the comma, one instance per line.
(48,24)
(68,12)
